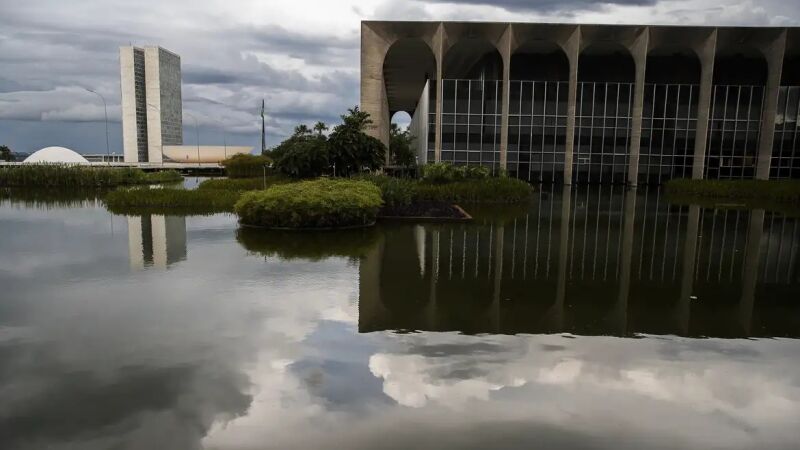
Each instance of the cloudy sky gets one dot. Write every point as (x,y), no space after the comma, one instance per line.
(301,56)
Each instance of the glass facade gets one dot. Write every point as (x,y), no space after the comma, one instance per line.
(471,115)
(602,132)
(669,123)
(734,129)
(785,156)
(537,129)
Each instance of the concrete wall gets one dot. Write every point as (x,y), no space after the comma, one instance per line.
(418,128)
(377,37)
(129,142)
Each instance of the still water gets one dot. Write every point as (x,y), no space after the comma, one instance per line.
(590,319)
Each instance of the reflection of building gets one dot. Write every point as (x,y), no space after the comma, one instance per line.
(152,111)
(590,261)
(590,103)
(158,241)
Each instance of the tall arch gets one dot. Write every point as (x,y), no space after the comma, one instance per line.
(669,117)
(604,113)
(785,162)
(471,103)
(737,102)
(537,121)
(409,68)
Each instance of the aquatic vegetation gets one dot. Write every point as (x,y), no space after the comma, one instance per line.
(404,191)
(242,184)
(81,176)
(170,201)
(321,203)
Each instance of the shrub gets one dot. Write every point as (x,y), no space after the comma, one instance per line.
(81,176)
(241,184)
(170,200)
(323,203)
(446,173)
(246,166)
(403,192)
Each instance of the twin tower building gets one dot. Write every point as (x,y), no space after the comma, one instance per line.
(151,102)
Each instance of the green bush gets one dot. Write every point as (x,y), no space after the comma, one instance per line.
(246,166)
(81,176)
(170,200)
(322,203)
(785,191)
(303,155)
(403,192)
(440,173)
(241,184)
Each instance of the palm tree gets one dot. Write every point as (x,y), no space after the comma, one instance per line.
(301,130)
(320,128)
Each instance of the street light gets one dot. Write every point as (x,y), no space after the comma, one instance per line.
(197,131)
(105,110)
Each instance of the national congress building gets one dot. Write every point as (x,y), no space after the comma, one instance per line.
(590,103)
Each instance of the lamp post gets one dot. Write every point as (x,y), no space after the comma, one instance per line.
(197,132)
(105,111)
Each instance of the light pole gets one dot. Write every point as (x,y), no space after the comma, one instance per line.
(197,132)
(105,111)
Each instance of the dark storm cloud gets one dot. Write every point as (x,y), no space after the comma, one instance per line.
(547,6)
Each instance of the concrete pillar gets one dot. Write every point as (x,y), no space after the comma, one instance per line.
(706,53)
(373,89)
(438,52)
(639,52)
(573,49)
(774,53)
(505,52)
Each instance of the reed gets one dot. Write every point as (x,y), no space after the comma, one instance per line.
(58,175)
(170,201)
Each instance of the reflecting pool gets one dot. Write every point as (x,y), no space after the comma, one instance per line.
(592,318)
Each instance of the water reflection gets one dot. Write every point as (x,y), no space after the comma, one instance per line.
(589,261)
(155,240)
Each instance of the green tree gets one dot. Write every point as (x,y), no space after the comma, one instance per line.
(320,128)
(400,147)
(303,155)
(5,154)
(301,130)
(350,150)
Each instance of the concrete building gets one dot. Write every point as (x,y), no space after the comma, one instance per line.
(579,103)
(152,112)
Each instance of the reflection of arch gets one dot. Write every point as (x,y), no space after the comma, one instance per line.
(669,115)
(404,285)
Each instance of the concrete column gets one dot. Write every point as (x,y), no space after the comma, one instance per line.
(573,49)
(373,89)
(706,53)
(774,53)
(505,52)
(639,53)
(438,52)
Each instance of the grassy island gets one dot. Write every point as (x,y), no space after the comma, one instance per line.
(170,201)
(60,175)
(321,203)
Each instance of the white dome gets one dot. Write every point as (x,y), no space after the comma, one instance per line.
(56,155)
